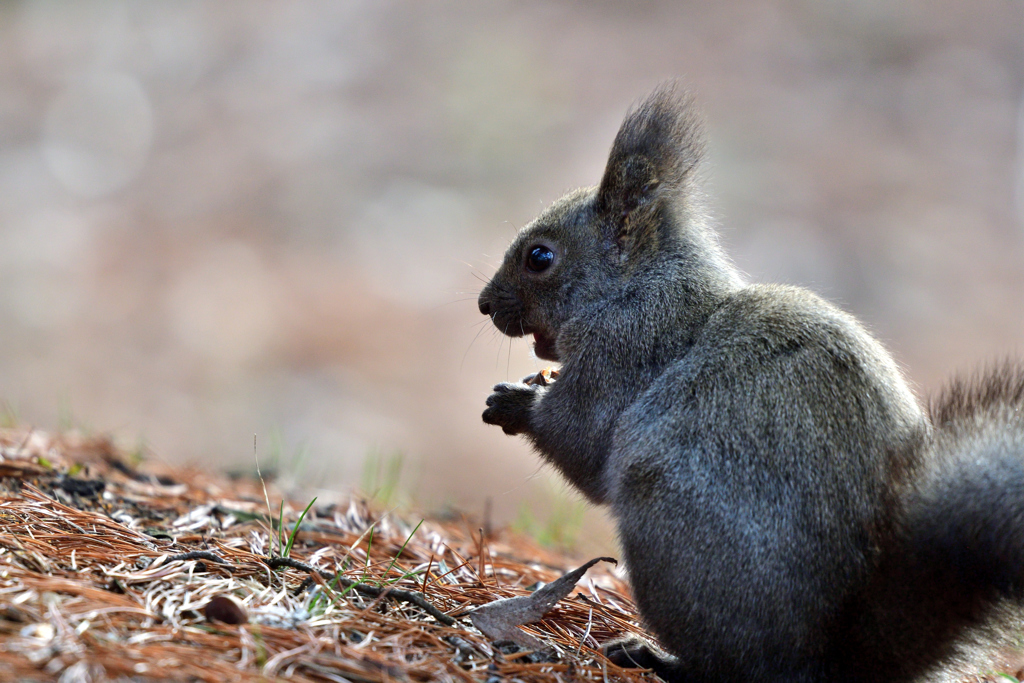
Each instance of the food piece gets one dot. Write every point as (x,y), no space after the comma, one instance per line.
(542,378)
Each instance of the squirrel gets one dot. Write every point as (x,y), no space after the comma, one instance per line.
(787,508)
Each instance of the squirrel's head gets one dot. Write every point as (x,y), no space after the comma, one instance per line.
(585,247)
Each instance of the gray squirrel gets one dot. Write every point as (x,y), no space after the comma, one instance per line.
(787,509)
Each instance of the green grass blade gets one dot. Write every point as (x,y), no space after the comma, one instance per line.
(400,551)
(295,530)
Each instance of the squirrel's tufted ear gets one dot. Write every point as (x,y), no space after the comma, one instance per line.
(654,155)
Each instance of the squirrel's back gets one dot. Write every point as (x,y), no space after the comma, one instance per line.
(771,451)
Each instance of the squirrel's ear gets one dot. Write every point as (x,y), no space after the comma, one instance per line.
(653,156)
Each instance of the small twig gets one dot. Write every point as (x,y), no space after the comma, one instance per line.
(197,555)
(304,586)
(278,562)
(365,589)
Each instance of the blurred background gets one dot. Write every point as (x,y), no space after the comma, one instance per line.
(221,219)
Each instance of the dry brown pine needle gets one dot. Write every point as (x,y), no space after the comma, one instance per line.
(108,573)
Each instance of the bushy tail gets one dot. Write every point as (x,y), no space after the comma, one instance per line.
(957,558)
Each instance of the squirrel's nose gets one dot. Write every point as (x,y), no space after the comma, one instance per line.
(485,305)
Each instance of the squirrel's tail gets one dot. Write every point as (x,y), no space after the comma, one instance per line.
(956,563)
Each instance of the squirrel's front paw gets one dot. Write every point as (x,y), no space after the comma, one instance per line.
(510,405)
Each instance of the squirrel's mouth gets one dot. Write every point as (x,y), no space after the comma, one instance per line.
(543,341)
(544,347)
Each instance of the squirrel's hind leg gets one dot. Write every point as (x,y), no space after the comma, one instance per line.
(635,652)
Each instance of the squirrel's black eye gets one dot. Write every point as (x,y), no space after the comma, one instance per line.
(539,259)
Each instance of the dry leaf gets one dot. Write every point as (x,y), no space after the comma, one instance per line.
(499,620)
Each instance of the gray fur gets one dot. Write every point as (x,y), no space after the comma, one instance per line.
(786,509)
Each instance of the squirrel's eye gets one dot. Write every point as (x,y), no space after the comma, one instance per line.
(539,259)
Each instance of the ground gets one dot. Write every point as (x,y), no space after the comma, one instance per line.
(112,570)
(117,570)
